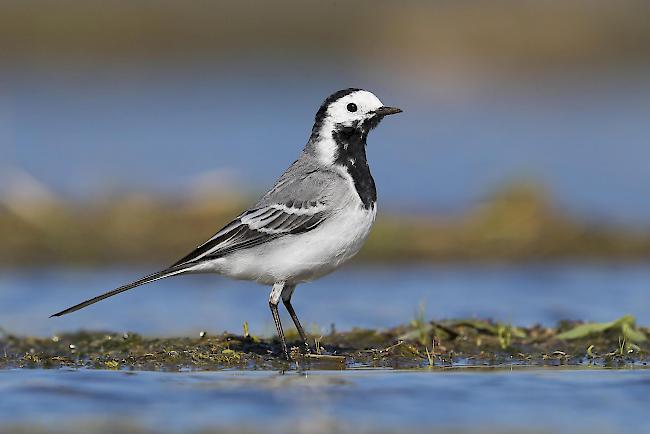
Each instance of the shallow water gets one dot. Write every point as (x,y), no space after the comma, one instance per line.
(528,400)
(369,297)
(451,400)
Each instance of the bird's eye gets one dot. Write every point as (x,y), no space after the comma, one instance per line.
(352,107)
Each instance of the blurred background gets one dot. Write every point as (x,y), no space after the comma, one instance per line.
(514,185)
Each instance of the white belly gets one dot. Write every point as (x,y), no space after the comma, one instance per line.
(302,257)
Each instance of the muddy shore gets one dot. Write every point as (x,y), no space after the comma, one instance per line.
(419,344)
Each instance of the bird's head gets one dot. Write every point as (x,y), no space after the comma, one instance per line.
(349,113)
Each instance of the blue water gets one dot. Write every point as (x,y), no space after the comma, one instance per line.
(567,401)
(356,296)
(84,131)
(457,400)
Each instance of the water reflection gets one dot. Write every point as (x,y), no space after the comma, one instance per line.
(555,400)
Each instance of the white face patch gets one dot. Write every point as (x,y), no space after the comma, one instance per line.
(348,110)
(343,110)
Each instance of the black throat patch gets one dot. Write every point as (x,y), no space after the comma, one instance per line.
(351,143)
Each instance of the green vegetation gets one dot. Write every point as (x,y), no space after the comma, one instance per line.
(518,223)
(626,326)
(432,344)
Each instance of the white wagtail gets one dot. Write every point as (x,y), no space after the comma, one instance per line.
(315,217)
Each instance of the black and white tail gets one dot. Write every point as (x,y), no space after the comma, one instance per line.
(173,271)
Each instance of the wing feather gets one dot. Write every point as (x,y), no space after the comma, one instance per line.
(260,225)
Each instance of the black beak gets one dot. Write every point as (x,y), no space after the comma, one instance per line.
(385,111)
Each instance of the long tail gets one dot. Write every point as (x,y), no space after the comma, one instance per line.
(172,271)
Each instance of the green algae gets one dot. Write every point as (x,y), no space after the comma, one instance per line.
(626,325)
(434,344)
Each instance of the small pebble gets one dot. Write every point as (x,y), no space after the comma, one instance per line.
(73,346)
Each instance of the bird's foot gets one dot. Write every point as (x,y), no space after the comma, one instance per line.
(300,352)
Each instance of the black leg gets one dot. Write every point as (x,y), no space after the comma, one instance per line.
(278,327)
(294,317)
(274,299)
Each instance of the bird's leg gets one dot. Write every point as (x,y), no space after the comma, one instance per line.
(286,299)
(274,299)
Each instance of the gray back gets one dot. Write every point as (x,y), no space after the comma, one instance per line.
(306,180)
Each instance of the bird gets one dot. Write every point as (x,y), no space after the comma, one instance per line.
(316,217)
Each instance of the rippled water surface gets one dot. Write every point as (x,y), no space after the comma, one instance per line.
(569,401)
(460,400)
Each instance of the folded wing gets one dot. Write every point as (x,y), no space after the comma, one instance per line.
(260,225)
